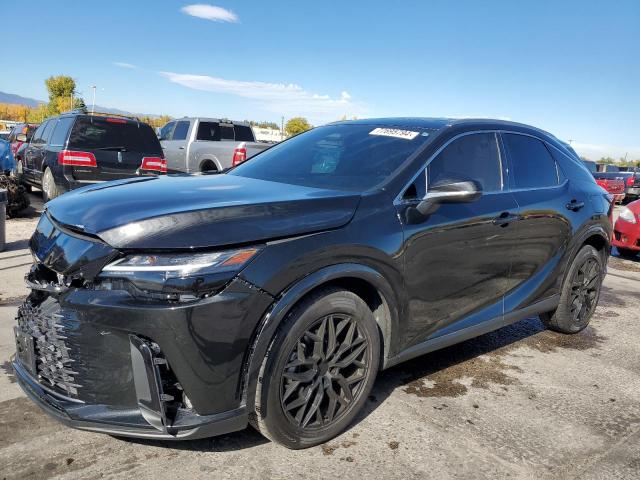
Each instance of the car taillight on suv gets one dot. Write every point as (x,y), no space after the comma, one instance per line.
(77,159)
(154,164)
(239,155)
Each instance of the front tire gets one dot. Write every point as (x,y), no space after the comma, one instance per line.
(579,294)
(319,370)
(49,188)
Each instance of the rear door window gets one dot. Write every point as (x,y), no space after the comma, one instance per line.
(90,133)
(60,131)
(181,130)
(38,135)
(532,166)
(471,157)
(208,131)
(243,133)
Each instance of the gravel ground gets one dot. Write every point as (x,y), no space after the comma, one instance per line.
(522,402)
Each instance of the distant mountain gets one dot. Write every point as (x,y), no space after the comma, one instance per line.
(17,99)
(32,102)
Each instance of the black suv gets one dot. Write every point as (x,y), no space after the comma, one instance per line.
(181,307)
(76,149)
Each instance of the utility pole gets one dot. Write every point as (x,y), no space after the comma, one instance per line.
(282,129)
(93,103)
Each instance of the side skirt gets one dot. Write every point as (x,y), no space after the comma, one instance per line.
(443,341)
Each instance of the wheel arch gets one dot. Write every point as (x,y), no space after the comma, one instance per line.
(209,161)
(362,280)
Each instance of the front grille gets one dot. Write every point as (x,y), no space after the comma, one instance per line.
(42,318)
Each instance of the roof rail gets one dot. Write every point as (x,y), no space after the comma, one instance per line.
(84,111)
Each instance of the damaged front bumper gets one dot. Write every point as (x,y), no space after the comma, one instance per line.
(126,423)
(111,361)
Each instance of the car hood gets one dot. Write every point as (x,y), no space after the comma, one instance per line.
(199,211)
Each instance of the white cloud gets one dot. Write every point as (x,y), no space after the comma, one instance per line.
(281,98)
(210,12)
(125,65)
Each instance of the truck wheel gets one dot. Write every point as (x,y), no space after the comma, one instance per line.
(208,166)
(319,369)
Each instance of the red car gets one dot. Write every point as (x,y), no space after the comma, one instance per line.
(626,232)
(613,183)
(26,128)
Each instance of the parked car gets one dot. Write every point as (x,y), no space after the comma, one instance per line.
(76,149)
(631,181)
(612,183)
(207,144)
(626,232)
(21,128)
(186,306)
(7,163)
(4,134)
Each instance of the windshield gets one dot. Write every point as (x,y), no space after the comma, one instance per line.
(351,157)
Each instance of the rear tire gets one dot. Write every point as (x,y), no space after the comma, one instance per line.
(318,371)
(49,188)
(579,294)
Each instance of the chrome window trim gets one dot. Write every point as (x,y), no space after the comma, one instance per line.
(400,201)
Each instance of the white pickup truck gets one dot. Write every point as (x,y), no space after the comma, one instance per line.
(207,144)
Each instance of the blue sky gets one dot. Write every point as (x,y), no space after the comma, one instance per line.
(570,67)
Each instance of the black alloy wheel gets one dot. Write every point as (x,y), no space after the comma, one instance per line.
(585,286)
(325,371)
(580,292)
(319,369)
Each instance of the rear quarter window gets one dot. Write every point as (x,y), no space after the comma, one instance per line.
(90,133)
(61,131)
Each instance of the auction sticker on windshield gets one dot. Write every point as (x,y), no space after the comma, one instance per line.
(394,132)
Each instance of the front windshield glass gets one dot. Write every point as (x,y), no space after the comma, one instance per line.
(351,157)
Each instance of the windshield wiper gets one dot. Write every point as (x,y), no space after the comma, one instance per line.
(114,148)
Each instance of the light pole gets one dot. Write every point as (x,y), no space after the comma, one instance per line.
(93,103)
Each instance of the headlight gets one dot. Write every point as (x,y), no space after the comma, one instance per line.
(180,265)
(627,215)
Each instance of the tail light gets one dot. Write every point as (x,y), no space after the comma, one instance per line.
(239,155)
(630,181)
(77,159)
(154,164)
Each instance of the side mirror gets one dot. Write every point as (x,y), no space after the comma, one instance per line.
(21,137)
(449,191)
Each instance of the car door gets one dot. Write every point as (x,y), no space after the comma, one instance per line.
(457,258)
(41,151)
(33,153)
(175,146)
(545,201)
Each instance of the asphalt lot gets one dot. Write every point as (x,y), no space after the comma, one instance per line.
(522,402)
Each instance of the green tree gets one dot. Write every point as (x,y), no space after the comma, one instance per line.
(297,125)
(61,89)
(606,160)
(78,103)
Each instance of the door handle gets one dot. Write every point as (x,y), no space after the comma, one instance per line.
(504,219)
(180,148)
(574,205)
